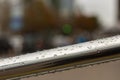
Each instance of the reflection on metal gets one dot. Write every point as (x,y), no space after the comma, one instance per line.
(62,58)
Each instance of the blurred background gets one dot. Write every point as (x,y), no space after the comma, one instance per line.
(27,26)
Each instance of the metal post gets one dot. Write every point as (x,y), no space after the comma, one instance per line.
(62,58)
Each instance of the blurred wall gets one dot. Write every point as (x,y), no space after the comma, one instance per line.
(106,10)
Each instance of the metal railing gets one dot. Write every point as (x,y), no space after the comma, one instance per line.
(62,58)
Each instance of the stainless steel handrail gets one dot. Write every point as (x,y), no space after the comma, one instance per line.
(62,58)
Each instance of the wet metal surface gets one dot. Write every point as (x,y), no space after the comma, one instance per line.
(54,57)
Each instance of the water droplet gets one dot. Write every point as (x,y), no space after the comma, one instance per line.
(10,58)
(66,49)
(91,42)
(100,41)
(117,37)
(55,55)
(17,57)
(73,46)
(59,50)
(65,54)
(79,46)
(14,61)
(37,57)
(89,47)
(43,56)
(22,63)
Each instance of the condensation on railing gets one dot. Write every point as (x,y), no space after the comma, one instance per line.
(81,50)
